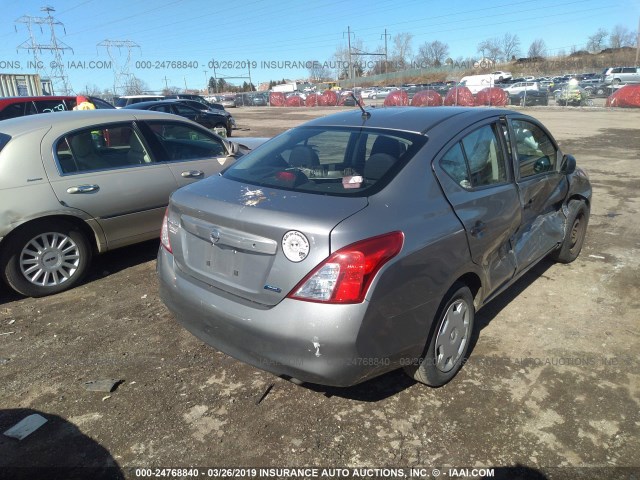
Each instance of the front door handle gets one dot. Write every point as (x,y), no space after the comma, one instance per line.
(193,174)
(83,189)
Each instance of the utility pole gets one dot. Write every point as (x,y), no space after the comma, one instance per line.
(166,84)
(58,75)
(349,43)
(638,43)
(119,71)
(386,60)
(206,81)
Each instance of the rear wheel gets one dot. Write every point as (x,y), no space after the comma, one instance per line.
(45,258)
(574,235)
(449,343)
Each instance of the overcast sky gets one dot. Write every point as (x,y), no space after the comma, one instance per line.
(196,32)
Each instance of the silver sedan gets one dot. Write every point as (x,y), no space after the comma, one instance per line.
(366,241)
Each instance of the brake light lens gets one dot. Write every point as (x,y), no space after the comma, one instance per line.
(164,232)
(345,276)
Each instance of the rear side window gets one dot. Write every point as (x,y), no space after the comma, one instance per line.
(184,142)
(50,106)
(330,161)
(109,147)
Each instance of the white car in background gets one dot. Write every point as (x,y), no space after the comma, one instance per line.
(501,76)
(368,92)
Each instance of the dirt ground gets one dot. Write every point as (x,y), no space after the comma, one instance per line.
(552,385)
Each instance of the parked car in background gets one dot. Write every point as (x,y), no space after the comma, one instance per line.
(204,107)
(529,98)
(76,183)
(499,76)
(11,107)
(126,100)
(227,101)
(621,75)
(212,119)
(353,245)
(516,88)
(573,95)
(368,92)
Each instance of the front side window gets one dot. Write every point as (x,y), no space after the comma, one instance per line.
(535,151)
(333,161)
(184,142)
(101,148)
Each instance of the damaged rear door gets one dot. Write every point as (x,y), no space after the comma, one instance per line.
(542,190)
(475,177)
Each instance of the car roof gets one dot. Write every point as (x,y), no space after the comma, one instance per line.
(71,120)
(409,119)
(151,103)
(10,100)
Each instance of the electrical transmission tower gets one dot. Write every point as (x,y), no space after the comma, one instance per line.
(58,76)
(121,75)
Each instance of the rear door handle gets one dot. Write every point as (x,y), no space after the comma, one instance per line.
(477,229)
(528,204)
(83,189)
(192,174)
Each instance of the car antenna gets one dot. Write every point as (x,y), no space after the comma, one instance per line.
(365,114)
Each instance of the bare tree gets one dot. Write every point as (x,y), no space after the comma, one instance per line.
(510,45)
(621,37)
(402,48)
(595,42)
(490,49)
(432,53)
(317,72)
(91,90)
(537,48)
(136,86)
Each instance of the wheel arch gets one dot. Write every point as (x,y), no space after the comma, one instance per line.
(473,281)
(91,235)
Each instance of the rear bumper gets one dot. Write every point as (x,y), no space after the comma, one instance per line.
(337,345)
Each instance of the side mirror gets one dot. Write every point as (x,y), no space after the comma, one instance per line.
(542,165)
(568,164)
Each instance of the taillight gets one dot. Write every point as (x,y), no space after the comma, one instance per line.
(164,232)
(345,276)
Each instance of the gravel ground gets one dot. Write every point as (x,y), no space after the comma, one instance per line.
(551,390)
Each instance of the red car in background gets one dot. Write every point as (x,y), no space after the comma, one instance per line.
(11,107)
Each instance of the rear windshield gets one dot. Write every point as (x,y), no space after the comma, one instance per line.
(328,161)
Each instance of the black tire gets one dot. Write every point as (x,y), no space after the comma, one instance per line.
(436,368)
(59,266)
(575,232)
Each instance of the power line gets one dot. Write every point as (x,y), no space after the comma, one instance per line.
(120,71)
(58,75)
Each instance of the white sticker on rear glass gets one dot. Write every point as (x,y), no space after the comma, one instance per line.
(295,246)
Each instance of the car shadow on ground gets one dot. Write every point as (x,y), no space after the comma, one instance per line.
(56,449)
(396,381)
(102,265)
(120,259)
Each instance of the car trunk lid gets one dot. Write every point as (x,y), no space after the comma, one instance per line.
(244,239)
